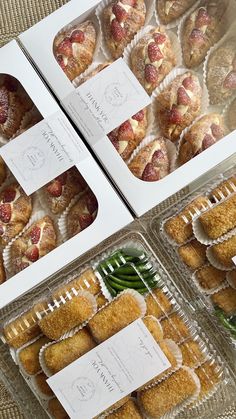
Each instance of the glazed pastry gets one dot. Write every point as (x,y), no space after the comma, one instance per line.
(209,277)
(2,271)
(221,72)
(152,59)
(3,171)
(60,191)
(29,356)
(169,10)
(128,410)
(193,254)
(85,281)
(204,133)
(224,189)
(231,116)
(56,410)
(154,327)
(178,105)
(128,135)
(192,353)
(208,376)
(121,20)
(42,385)
(226,300)
(36,242)
(74,48)
(93,73)
(151,163)
(174,328)
(202,29)
(225,251)
(82,214)
(15,211)
(158,304)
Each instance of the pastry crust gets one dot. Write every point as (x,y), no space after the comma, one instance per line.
(226,300)
(56,409)
(82,214)
(2,271)
(224,189)
(193,254)
(152,162)
(221,72)
(121,20)
(74,48)
(174,328)
(208,376)
(204,133)
(128,135)
(93,73)
(169,10)
(152,59)
(128,410)
(3,171)
(158,304)
(225,251)
(29,356)
(210,277)
(85,281)
(192,353)
(231,116)
(42,385)
(178,105)
(36,242)
(33,117)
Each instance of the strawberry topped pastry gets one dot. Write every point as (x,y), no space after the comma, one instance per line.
(35,243)
(82,213)
(93,73)
(74,48)
(152,162)
(170,10)
(152,59)
(15,212)
(128,135)
(121,21)
(221,72)
(178,105)
(202,29)
(3,171)
(60,191)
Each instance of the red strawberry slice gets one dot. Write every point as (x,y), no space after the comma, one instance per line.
(35,234)
(32,253)
(5,213)
(60,61)
(55,188)
(92,203)
(150,174)
(62,178)
(85,220)
(119,12)
(139,116)
(65,47)
(117,31)
(197,37)
(9,195)
(129,2)
(182,97)
(114,139)
(208,140)
(188,83)
(11,83)
(175,116)
(159,38)
(230,81)
(125,132)
(157,156)
(154,52)
(22,266)
(4,105)
(151,74)
(217,131)
(203,19)
(77,36)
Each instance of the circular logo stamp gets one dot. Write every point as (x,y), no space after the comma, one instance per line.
(85,388)
(33,158)
(115,94)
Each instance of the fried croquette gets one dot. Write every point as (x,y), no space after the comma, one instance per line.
(29,356)
(193,254)
(192,354)
(208,376)
(56,410)
(115,406)
(101,300)
(154,327)
(210,277)
(174,328)
(225,251)
(158,304)
(42,385)
(226,300)
(129,410)
(232,278)
(86,281)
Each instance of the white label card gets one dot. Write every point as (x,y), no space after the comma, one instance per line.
(106,100)
(109,372)
(43,152)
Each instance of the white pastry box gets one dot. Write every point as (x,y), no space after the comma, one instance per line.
(76,100)
(38,146)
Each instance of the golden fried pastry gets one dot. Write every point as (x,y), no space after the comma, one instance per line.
(29,356)
(226,300)
(232,278)
(225,251)
(208,376)
(115,316)
(115,406)
(74,48)
(121,20)
(231,116)
(209,277)
(15,211)
(56,410)
(87,281)
(178,105)
(128,135)
(101,300)
(64,352)
(221,72)
(152,161)
(161,399)
(128,410)
(192,354)
(175,328)
(179,227)
(158,304)
(202,29)
(2,271)
(3,171)
(42,385)
(193,254)
(82,213)
(152,59)
(169,10)
(203,134)
(37,241)
(154,327)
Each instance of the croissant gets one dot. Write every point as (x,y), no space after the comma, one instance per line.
(60,191)
(169,10)
(152,59)
(178,105)
(82,214)
(3,171)
(231,116)
(35,243)
(221,72)
(202,29)
(121,21)
(74,48)
(128,135)
(152,162)
(205,132)
(15,211)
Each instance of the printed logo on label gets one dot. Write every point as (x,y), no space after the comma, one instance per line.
(85,388)
(115,94)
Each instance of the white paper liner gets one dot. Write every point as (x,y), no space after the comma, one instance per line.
(203,238)
(206,291)
(230,280)
(177,21)
(214,262)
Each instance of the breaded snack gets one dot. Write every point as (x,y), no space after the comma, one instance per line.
(162,398)
(158,304)
(210,277)
(179,227)
(232,278)
(56,410)
(101,300)
(61,354)
(85,281)
(115,406)
(224,189)
(226,300)
(29,356)
(115,316)
(193,254)
(192,354)
(208,377)
(174,328)
(73,313)
(129,410)
(154,327)
(220,219)
(42,385)
(225,251)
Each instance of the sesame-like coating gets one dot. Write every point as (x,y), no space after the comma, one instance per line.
(192,354)
(174,328)
(154,327)
(210,277)
(208,377)
(225,251)
(86,281)
(193,254)
(128,411)
(158,304)
(226,300)
(29,356)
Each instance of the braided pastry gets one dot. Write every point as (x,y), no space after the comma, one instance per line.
(82,214)
(170,10)
(231,116)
